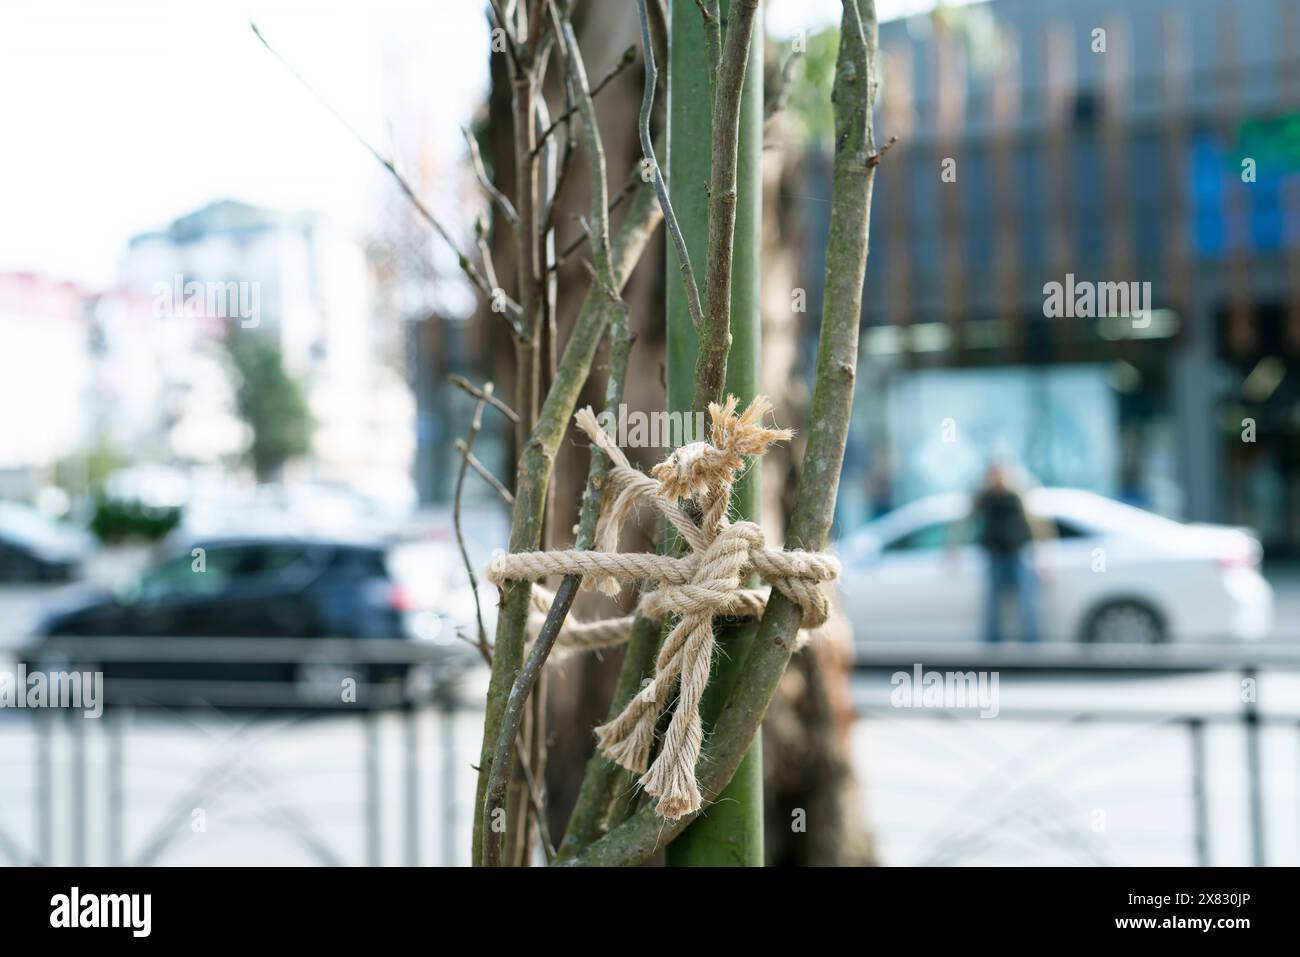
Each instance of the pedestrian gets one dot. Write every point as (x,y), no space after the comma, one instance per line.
(1008,536)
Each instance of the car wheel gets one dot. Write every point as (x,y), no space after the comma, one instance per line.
(1125,622)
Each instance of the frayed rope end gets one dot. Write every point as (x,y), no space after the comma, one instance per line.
(630,751)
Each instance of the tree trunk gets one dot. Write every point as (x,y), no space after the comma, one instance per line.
(731,833)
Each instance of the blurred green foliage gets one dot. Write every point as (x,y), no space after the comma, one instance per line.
(117,520)
(85,474)
(271,403)
(810,84)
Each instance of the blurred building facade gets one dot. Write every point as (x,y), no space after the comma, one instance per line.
(1148,141)
(138,374)
(309,288)
(45,364)
(86,376)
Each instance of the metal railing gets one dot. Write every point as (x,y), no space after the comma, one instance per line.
(94,832)
(433,688)
(1048,660)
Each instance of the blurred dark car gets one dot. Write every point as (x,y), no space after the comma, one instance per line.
(265,587)
(35,549)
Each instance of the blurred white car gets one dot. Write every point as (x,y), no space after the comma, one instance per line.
(1114,573)
(438,600)
(34,548)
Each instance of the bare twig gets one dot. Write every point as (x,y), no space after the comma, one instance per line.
(715,332)
(468,458)
(607,282)
(521,20)
(512,309)
(534,362)
(549,185)
(503,21)
(629,55)
(566,164)
(484,251)
(846,256)
(712,39)
(528,260)
(494,194)
(537,801)
(536,23)
(629,188)
(875,158)
(661,189)
(536,461)
(476,425)
(508,651)
(473,643)
(485,393)
(778,103)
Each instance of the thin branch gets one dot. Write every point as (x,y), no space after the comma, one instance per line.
(480,173)
(640,835)
(460,635)
(512,309)
(486,394)
(534,181)
(661,189)
(484,250)
(468,458)
(875,158)
(502,18)
(528,260)
(537,801)
(566,164)
(604,782)
(626,60)
(607,282)
(550,184)
(508,747)
(525,398)
(778,103)
(712,40)
(536,25)
(508,649)
(658,17)
(537,458)
(503,21)
(628,189)
(476,425)
(851,17)
(715,332)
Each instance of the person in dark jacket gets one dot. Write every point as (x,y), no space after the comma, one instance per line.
(1007,535)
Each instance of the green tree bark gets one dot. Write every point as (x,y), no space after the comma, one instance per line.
(637,838)
(730,832)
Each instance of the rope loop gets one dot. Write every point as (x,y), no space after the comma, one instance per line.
(707,582)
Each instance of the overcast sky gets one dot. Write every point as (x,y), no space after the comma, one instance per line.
(119,116)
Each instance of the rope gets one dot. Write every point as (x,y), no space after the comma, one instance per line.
(704,583)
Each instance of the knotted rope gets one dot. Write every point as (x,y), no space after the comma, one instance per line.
(704,583)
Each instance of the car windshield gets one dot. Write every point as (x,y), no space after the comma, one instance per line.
(182,576)
(209,570)
(1085,512)
(943,520)
(934,535)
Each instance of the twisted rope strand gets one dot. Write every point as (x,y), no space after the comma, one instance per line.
(697,587)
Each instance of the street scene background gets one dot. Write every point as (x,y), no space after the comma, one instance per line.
(227,337)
